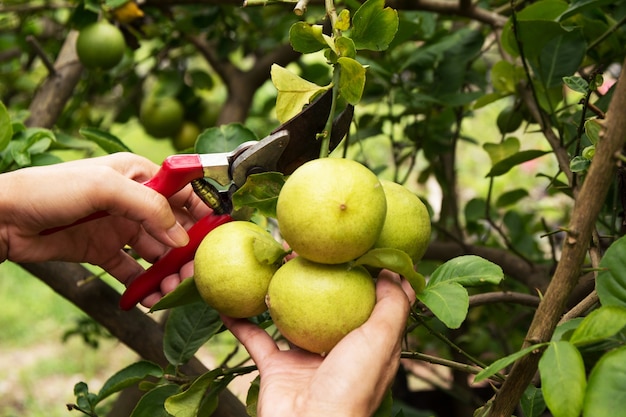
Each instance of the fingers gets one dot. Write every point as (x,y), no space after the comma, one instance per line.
(139,203)
(257,342)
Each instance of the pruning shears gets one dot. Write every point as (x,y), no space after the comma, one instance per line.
(283,150)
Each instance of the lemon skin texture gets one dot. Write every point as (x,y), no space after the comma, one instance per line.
(331,210)
(407,222)
(315,305)
(227,273)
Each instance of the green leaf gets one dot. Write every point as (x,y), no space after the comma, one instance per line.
(306,38)
(224,138)
(600,324)
(502,363)
(260,192)
(129,376)
(532,402)
(579,164)
(185,293)
(605,394)
(580,6)
(6,128)
(374,26)
(507,164)
(152,404)
(467,270)
(84,399)
(576,83)
(593,128)
(294,92)
(536,25)
(563,379)
(351,80)
(560,56)
(252,397)
(511,197)
(188,327)
(345,47)
(500,151)
(448,301)
(187,403)
(268,251)
(505,77)
(395,260)
(611,281)
(108,142)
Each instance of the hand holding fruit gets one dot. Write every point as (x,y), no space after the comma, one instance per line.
(297,382)
(35,199)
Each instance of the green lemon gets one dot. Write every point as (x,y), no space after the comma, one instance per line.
(229,271)
(100,45)
(315,305)
(407,223)
(331,210)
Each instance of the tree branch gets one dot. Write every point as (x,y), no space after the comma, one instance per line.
(50,98)
(586,210)
(133,328)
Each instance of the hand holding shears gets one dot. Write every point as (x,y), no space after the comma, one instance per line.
(285,149)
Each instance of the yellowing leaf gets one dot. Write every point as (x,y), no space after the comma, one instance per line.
(343,20)
(294,92)
(351,80)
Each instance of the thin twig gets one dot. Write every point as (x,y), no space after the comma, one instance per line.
(42,54)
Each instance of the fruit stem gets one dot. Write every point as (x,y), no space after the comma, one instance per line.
(325,148)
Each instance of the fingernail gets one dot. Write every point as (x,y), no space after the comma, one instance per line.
(178,235)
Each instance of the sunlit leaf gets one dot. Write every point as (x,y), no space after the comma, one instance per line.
(395,260)
(448,301)
(343,20)
(563,380)
(306,38)
(294,92)
(351,80)
(374,26)
(467,270)
(600,324)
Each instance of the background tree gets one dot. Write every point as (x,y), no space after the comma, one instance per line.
(535,79)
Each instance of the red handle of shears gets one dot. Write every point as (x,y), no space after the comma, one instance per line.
(150,281)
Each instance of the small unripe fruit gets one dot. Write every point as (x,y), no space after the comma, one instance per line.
(100,45)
